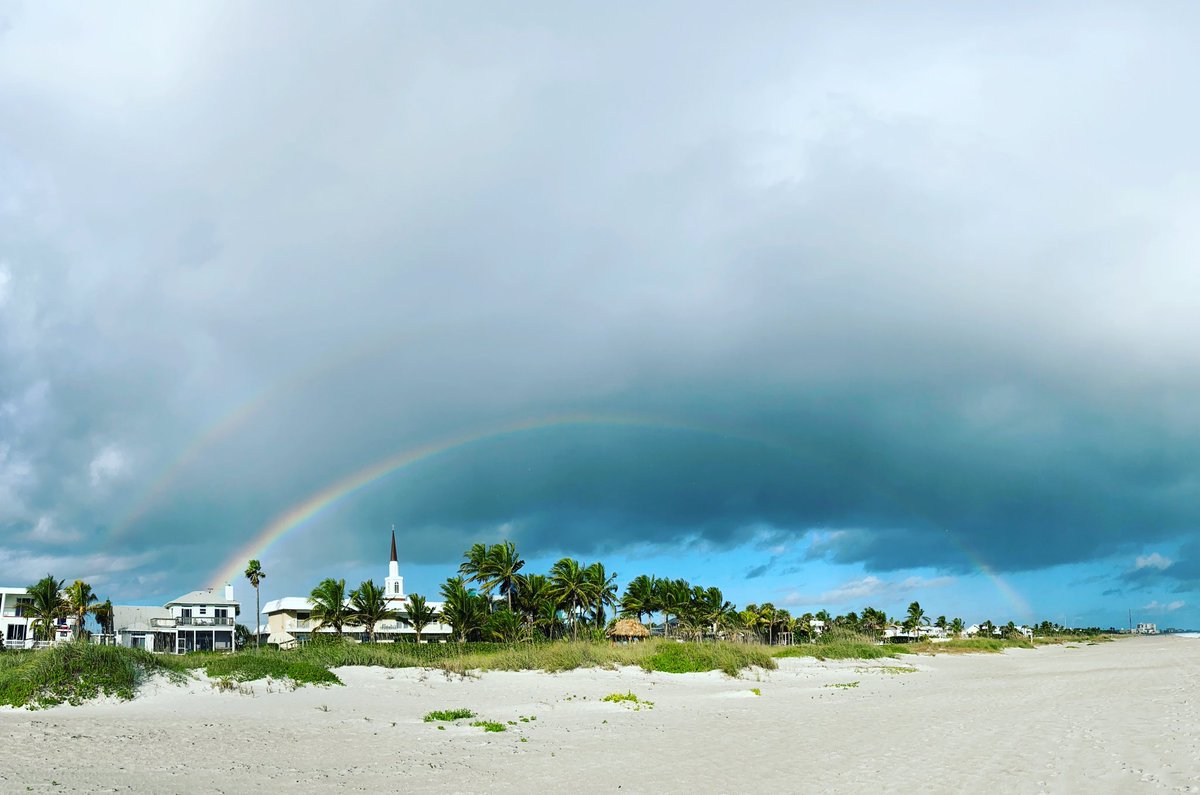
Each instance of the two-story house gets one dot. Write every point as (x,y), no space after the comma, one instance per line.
(197,621)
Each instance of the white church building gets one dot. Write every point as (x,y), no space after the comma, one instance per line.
(289,620)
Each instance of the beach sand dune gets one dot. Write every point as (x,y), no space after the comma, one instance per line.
(1110,717)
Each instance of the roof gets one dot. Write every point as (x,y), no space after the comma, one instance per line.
(628,628)
(287,603)
(136,617)
(208,596)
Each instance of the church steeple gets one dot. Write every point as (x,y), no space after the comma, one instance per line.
(394,584)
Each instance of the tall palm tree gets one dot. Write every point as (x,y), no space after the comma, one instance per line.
(916,617)
(873,621)
(602,591)
(957,626)
(464,611)
(769,619)
(255,574)
(46,606)
(638,599)
(420,614)
(501,565)
(329,604)
(369,606)
(505,626)
(571,587)
(80,598)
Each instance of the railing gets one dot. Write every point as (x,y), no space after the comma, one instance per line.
(300,624)
(191,621)
(205,621)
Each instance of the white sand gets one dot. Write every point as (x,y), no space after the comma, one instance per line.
(1112,717)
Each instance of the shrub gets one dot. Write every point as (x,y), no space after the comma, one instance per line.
(448,715)
(490,725)
(76,672)
(683,658)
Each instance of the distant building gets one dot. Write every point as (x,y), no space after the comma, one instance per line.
(16,627)
(1146,629)
(290,621)
(197,621)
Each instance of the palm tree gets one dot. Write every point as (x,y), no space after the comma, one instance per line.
(672,597)
(420,614)
(571,587)
(329,604)
(638,599)
(464,610)
(505,626)
(602,591)
(46,606)
(474,568)
(916,617)
(873,621)
(368,606)
(769,617)
(255,574)
(957,626)
(104,616)
(501,565)
(79,602)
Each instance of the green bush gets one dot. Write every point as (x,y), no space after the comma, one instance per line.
(247,667)
(686,658)
(448,715)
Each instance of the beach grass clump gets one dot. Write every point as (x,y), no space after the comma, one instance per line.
(447,715)
(687,658)
(490,725)
(843,685)
(72,673)
(249,666)
(967,646)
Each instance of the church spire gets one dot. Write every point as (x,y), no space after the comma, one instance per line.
(394,584)
(393,543)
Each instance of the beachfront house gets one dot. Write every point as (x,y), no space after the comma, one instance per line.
(289,620)
(1146,629)
(16,627)
(197,621)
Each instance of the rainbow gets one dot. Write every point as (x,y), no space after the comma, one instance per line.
(322,500)
(306,510)
(237,417)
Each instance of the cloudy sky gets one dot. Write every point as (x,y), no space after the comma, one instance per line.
(824,309)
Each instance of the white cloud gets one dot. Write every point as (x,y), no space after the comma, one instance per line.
(867,588)
(109,464)
(47,531)
(1155,607)
(1152,561)
(5,281)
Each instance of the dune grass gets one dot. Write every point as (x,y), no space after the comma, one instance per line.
(246,667)
(966,646)
(845,647)
(446,715)
(71,673)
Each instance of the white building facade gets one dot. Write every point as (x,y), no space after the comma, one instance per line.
(16,627)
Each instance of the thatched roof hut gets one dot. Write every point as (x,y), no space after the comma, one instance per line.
(628,630)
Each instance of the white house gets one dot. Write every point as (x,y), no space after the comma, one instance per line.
(1146,629)
(290,621)
(16,627)
(197,621)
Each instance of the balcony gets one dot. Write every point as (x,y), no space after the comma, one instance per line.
(191,622)
(299,625)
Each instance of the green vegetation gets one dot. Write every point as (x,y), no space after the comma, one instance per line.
(448,715)
(686,658)
(838,646)
(892,670)
(490,725)
(843,685)
(71,673)
(756,691)
(618,698)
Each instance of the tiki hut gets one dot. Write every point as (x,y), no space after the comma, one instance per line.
(628,631)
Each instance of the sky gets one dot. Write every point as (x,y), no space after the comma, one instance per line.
(826,309)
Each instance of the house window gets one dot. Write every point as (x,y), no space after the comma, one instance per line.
(220,612)
(204,611)
(185,612)
(15,632)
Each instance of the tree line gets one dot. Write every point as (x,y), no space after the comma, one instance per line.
(51,600)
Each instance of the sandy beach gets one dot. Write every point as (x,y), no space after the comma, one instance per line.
(1110,717)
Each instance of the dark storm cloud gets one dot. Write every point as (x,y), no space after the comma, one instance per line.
(922,281)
